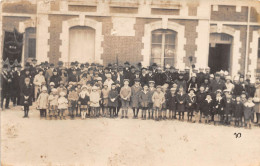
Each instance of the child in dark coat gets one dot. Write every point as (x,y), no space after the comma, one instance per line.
(218,107)
(144,100)
(171,103)
(84,101)
(249,112)
(228,109)
(201,95)
(238,109)
(190,103)
(181,99)
(26,96)
(206,107)
(112,100)
(150,94)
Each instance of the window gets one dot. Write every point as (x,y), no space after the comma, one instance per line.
(30,43)
(163,47)
(258,48)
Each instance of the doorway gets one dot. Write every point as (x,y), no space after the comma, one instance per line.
(220,51)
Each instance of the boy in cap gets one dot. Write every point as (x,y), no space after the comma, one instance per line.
(125,94)
(206,107)
(144,100)
(249,112)
(228,103)
(16,87)
(150,94)
(201,95)
(135,89)
(238,109)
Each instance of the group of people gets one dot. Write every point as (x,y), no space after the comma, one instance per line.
(92,90)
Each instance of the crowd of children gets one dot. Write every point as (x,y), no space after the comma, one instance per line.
(85,90)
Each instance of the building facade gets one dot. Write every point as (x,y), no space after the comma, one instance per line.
(224,35)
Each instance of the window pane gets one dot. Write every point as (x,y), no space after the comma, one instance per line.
(32,47)
(170,39)
(156,51)
(156,38)
(156,60)
(169,51)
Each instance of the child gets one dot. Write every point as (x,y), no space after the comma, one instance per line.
(218,107)
(190,103)
(238,108)
(144,100)
(249,112)
(165,91)
(84,101)
(42,102)
(118,88)
(94,101)
(125,94)
(26,96)
(206,107)
(112,100)
(171,103)
(78,110)
(53,103)
(135,89)
(158,99)
(62,104)
(51,86)
(181,98)
(201,95)
(73,99)
(227,109)
(104,94)
(37,81)
(150,94)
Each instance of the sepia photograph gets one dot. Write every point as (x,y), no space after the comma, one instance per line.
(130,82)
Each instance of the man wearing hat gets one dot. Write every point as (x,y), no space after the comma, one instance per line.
(73,77)
(131,76)
(200,76)
(175,74)
(150,74)
(135,89)
(168,75)
(154,66)
(143,77)
(6,81)
(159,77)
(187,74)
(49,73)
(217,83)
(120,75)
(126,69)
(15,84)
(55,78)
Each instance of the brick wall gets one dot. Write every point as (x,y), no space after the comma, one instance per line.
(54,41)
(19,7)
(228,13)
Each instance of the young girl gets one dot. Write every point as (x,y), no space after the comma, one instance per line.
(42,102)
(125,94)
(53,103)
(171,103)
(218,107)
(181,98)
(135,89)
(206,107)
(26,96)
(190,103)
(238,109)
(144,100)
(73,99)
(150,94)
(104,94)
(94,101)
(84,101)
(249,112)
(62,104)
(158,99)
(112,100)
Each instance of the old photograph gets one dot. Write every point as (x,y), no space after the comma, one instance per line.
(130,82)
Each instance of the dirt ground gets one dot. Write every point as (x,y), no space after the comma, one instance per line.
(116,142)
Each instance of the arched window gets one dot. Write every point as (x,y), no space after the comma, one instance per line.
(163,47)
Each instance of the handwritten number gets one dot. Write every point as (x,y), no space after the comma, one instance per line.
(238,135)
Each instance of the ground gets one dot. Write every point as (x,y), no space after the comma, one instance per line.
(116,142)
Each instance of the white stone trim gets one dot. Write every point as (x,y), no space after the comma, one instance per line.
(181,41)
(235,52)
(64,36)
(202,51)
(253,55)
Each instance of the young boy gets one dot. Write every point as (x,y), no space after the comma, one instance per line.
(238,109)
(249,112)
(125,94)
(62,105)
(42,102)
(171,103)
(104,94)
(27,95)
(206,107)
(73,99)
(144,100)
(84,101)
(150,94)
(190,104)
(94,101)
(201,95)
(158,99)
(181,99)
(112,100)
(218,107)
(227,109)
(135,89)
(53,103)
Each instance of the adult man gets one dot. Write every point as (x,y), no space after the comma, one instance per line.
(216,84)
(49,73)
(6,80)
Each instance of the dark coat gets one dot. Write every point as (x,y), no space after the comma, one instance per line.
(144,99)
(143,79)
(206,107)
(200,99)
(159,79)
(250,90)
(215,85)
(238,109)
(171,101)
(15,83)
(73,78)
(85,100)
(56,79)
(150,77)
(218,106)
(181,98)
(190,103)
(228,107)
(6,82)
(111,95)
(182,83)
(200,78)
(26,91)
(238,88)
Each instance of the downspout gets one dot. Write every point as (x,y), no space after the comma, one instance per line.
(247,39)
